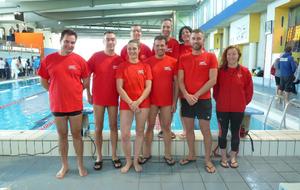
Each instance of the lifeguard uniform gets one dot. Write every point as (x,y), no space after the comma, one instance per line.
(64,74)
(134,82)
(184,49)
(104,69)
(163,72)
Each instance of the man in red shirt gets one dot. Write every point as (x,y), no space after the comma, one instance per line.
(171,50)
(103,66)
(136,34)
(163,97)
(64,74)
(172,44)
(197,74)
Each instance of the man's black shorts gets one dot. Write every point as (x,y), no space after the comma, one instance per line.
(201,110)
(63,114)
(286,83)
(277,81)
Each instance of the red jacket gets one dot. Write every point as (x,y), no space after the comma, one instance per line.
(233,90)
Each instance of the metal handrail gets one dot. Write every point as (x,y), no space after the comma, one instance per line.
(269,108)
(294,102)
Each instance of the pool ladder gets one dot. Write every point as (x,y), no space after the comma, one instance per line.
(293,101)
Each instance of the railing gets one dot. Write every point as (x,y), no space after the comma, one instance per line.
(281,98)
(294,102)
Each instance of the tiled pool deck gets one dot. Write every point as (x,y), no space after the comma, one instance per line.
(259,173)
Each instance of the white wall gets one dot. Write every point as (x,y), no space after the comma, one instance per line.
(262,42)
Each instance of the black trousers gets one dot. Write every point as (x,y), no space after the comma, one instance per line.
(234,120)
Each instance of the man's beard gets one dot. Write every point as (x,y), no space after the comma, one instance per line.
(197,47)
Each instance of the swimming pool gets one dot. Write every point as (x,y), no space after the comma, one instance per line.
(24,105)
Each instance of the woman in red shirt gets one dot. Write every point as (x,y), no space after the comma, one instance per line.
(233,91)
(134,86)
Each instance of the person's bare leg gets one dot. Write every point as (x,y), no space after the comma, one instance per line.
(190,136)
(113,124)
(62,130)
(140,118)
(149,131)
(205,130)
(126,117)
(76,125)
(166,118)
(286,97)
(183,134)
(99,120)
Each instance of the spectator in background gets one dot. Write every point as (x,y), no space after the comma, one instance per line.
(2,68)
(36,64)
(14,68)
(287,68)
(277,75)
(8,68)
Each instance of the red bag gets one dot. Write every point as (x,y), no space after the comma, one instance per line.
(273,70)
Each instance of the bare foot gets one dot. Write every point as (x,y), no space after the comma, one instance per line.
(82,172)
(137,167)
(126,168)
(62,172)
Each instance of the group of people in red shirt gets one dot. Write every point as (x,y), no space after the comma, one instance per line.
(148,84)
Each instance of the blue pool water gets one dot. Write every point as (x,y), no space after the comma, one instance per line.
(24,105)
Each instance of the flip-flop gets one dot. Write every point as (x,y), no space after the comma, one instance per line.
(143,160)
(117,163)
(169,161)
(98,165)
(161,135)
(234,164)
(210,169)
(186,161)
(224,164)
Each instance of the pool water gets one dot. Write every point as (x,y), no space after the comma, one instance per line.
(24,105)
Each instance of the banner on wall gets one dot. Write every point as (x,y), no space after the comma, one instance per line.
(239,31)
(293,38)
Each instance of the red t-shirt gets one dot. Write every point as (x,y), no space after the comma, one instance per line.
(184,49)
(104,69)
(196,71)
(145,52)
(65,74)
(134,82)
(163,72)
(233,90)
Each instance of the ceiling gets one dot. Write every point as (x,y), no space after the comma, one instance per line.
(94,16)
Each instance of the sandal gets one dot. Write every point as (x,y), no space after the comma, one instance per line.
(210,168)
(117,163)
(143,160)
(186,161)
(224,164)
(98,165)
(161,135)
(169,161)
(234,164)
